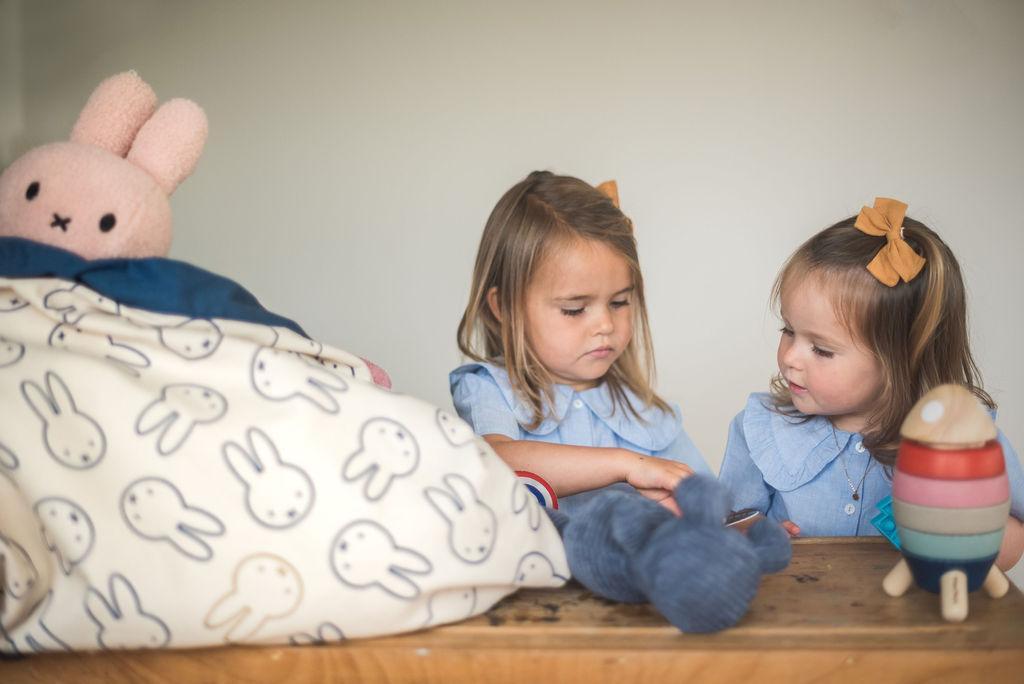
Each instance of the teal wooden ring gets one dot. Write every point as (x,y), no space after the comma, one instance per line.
(950,546)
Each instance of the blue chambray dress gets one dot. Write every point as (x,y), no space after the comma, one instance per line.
(793,470)
(484,398)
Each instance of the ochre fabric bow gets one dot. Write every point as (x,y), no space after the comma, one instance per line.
(896,259)
(610,189)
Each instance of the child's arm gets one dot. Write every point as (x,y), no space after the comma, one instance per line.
(1013,538)
(1013,544)
(573,469)
(568,469)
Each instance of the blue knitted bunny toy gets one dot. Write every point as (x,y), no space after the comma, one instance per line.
(695,571)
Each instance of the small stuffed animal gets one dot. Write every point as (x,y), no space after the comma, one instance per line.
(951,499)
(696,572)
(105,192)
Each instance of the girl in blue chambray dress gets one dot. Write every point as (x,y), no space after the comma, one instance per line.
(859,347)
(557,326)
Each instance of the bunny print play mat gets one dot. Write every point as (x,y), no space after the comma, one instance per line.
(170,480)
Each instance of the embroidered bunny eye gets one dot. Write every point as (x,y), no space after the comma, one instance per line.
(107,222)
(32,191)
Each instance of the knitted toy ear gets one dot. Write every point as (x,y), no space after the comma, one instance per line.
(115,112)
(169,144)
(636,518)
(772,545)
(703,500)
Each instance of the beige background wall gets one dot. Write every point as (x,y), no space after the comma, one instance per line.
(356,149)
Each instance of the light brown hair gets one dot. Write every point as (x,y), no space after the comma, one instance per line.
(917,331)
(530,222)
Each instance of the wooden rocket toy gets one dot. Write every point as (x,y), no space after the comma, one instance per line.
(951,499)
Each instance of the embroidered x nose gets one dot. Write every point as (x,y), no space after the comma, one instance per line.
(60,222)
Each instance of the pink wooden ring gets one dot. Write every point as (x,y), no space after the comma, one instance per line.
(954,464)
(924,491)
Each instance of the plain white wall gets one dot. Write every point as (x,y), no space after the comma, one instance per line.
(12,121)
(356,149)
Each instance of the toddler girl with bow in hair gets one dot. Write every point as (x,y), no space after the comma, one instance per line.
(556,325)
(873,316)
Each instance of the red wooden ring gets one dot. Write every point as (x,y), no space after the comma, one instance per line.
(953,464)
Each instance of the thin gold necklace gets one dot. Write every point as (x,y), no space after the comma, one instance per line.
(854,490)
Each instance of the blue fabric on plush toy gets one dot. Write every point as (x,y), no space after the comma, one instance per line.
(695,571)
(154,283)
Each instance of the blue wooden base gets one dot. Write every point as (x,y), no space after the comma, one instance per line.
(927,571)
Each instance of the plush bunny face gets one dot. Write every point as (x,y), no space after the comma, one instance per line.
(105,193)
(86,200)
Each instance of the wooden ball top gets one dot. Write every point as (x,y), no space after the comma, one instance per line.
(949,416)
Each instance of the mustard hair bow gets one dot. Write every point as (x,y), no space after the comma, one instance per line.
(896,259)
(610,189)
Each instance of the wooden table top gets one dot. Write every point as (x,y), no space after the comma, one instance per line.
(824,616)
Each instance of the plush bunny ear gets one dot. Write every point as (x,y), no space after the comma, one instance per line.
(114,113)
(169,144)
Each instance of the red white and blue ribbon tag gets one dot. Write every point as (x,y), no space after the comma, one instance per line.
(539,488)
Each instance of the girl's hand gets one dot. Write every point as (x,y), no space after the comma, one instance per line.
(791,527)
(656,478)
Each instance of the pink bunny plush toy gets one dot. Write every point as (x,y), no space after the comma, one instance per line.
(105,192)
(104,196)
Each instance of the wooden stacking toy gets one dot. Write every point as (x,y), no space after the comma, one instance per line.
(951,499)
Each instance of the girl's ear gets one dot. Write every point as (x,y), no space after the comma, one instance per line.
(492,303)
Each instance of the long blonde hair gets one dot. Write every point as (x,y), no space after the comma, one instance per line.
(917,331)
(533,217)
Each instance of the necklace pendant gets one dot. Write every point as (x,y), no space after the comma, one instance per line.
(856,496)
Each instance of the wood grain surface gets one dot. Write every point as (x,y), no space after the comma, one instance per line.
(823,618)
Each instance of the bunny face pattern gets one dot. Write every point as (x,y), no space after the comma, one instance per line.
(39,638)
(71,437)
(473,527)
(179,409)
(7,458)
(263,587)
(326,633)
(121,621)
(386,451)
(20,574)
(277,494)
(10,301)
(364,554)
(283,375)
(67,529)
(523,500)
(74,338)
(536,570)
(76,301)
(10,352)
(455,430)
(451,605)
(197,338)
(156,510)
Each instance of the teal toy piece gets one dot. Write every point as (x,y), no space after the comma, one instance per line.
(885,523)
